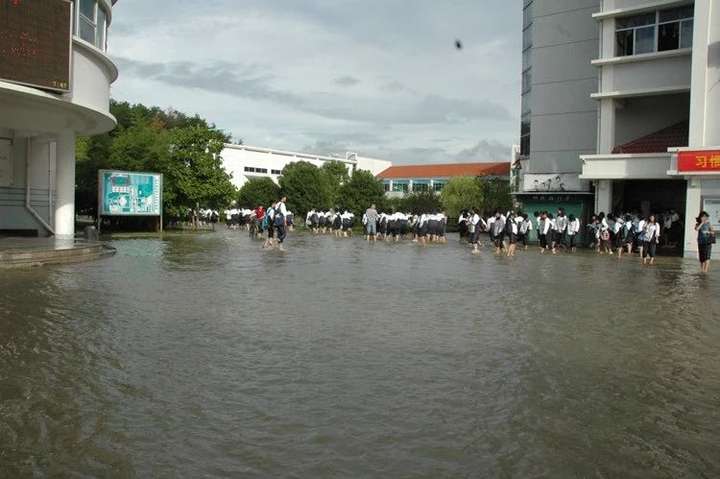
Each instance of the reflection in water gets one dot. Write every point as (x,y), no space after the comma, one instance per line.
(202,355)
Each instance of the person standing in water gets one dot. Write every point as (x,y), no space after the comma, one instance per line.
(280,222)
(650,240)
(705,239)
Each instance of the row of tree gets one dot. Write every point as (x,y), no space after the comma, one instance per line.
(330,186)
(186,150)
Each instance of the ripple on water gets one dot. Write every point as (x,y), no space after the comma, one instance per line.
(204,356)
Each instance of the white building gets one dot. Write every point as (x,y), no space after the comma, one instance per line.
(659,70)
(245,162)
(42,112)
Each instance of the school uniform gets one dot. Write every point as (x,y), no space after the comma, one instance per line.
(572,231)
(561,223)
(650,237)
(544,228)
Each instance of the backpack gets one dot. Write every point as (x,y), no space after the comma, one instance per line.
(279,220)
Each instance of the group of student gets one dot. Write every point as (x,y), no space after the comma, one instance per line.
(396,225)
(605,233)
(331,221)
(271,224)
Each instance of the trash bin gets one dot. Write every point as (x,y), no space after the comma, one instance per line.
(91,233)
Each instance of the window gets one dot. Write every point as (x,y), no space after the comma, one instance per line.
(527,15)
(525,136)
(527,37)
(421,186)
(90,23)
(526,80)
(659,31)
(525,104)
(400,186)
(249,169)
(276,172)
(260,170)
(386,185)
(438,185)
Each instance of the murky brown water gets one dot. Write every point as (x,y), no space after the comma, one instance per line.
(201,356)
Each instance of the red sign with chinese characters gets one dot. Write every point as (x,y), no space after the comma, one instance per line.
(35,43)
(707,161)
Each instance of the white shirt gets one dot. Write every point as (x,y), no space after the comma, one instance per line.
(574,227)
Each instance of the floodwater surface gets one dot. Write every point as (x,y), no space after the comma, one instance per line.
(203,356)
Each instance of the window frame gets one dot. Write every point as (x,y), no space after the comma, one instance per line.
(99,30)
(656,32)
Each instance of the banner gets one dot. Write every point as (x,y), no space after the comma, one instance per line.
(699,162)
(125,193)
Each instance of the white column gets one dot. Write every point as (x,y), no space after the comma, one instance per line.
(65,186)
(603,196)
(606,139)
(705,94)
(692,208)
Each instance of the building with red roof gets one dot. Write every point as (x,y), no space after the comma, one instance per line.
(402,179)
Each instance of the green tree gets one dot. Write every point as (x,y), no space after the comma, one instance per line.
(496,194)
(306,187)
(420,202)
(258,191)
(361,191)
(460,193)
(335,174)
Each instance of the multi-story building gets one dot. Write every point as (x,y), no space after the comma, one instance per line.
(245,162)
(659,70)
(558,117)
(403,179)
(55,78)
(649,108)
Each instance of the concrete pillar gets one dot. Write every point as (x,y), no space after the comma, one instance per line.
(692,208)
(604,196)
(65,186)
(606,139)
(705,94)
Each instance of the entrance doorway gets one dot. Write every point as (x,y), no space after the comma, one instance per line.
(662,198)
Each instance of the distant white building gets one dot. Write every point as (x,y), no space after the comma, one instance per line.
(245,162)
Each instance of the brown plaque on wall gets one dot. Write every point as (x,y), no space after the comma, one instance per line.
(36,43)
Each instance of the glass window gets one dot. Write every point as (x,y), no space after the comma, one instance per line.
(386,185)
(680,13)
(101,27)
(250,169)
(526,80)
(527,15)
(261,170)
(400,186)
(644,40)
(525,104)
(686,34)
(624,42)
(276,172)
(438,185)
(527,37)
(669,36)
(636,21)
(421,185)
(87,8)
(87,30)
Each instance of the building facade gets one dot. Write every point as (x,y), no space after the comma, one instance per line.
(405,179)
(614,93)
(40,121)
(659,66)
(245,162)
(558,116)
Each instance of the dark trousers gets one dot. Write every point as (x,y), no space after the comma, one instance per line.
(281,233)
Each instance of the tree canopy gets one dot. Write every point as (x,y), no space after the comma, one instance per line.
(361,191)
(306,187)
(258,191)
(460,193)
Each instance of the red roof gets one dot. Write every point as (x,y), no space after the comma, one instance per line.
(447,170)
(672,137)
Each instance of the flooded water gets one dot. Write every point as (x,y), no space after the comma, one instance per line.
(202,356)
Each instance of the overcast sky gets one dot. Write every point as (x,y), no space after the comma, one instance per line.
(379,77)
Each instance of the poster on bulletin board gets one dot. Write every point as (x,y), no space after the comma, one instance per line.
(712,206)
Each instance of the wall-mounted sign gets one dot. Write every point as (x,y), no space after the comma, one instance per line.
(125,193)
(556,183)
(6,165)
(699,162)
(36,43)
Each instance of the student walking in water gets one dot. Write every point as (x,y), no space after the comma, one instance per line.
(650,240)
(705,239)
(280,222)
(371,220)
